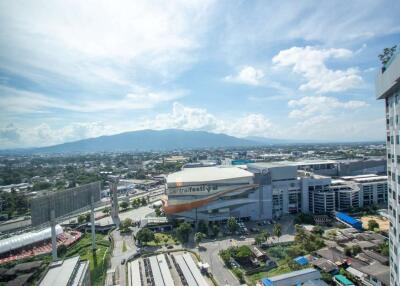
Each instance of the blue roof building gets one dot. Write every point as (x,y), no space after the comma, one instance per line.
(292,278)
(357,224)
(301,260)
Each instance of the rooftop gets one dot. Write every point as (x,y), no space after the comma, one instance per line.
(388,78)
(207,174)
(308,274)
(60,272)
(343,280)
(292,163)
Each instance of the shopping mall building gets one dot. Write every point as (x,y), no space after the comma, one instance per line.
(259,191)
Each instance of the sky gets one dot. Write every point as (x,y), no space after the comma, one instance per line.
(299,70)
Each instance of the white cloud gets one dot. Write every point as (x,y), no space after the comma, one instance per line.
(312,106)
(327,118)
(100,41)
(20,101)
(184,117)
(309,62)
(14,136)
(191,118)
(247,75)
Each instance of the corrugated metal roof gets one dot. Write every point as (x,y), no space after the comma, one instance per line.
(21,240)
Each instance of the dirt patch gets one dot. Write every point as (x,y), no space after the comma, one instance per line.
(382,221)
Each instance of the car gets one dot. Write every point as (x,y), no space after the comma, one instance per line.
(170,246)
(242,237)
(123,261)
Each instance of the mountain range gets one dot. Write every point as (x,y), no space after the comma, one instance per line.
(153,140)
(143,140)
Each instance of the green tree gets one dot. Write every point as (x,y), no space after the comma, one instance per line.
(356,249)
(317,230)
(226,256)
(157,211)
(135,203)
(41,186)
(266,235)
(215,229)
(203,227)
(372,225)
(259,239)
(198,237)
(243,252)
(232,224)
(81,218)
(145,235)
(183,231)
(124,205)
(144,202)
(107,210)
(61,250)
(277,230)
(347,251)
(384,248)
(87,217)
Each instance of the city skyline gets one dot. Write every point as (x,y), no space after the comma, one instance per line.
(303,71)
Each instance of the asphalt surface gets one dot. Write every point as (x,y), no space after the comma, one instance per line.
(209,253)
(118,253)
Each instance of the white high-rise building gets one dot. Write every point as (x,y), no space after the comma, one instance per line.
(388,88)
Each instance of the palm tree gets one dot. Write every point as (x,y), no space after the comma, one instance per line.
(277,230)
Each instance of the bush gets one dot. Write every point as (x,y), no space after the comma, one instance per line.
(145,235)
(225,255)
(239,274)
(372,225)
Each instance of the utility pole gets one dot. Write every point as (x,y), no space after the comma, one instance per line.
(53,235)
(92,223)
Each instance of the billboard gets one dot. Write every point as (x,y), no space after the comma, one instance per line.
(63,202)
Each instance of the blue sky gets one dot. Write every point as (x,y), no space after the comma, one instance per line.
(281,69)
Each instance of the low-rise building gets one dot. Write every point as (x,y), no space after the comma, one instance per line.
(68,272)
(304,276)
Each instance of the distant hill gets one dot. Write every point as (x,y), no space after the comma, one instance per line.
(146,140)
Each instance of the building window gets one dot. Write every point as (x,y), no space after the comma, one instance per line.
(397,139)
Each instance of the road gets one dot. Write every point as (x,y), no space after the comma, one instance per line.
(119,240)
(209,253)
(134,214)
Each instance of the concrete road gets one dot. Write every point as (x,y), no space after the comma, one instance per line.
(210,255)
(120,239)
(134,214)
(118,255)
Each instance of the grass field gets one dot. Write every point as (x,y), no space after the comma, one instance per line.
(98,265)
(161,239)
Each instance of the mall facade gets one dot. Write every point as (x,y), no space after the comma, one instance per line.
(257,192)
